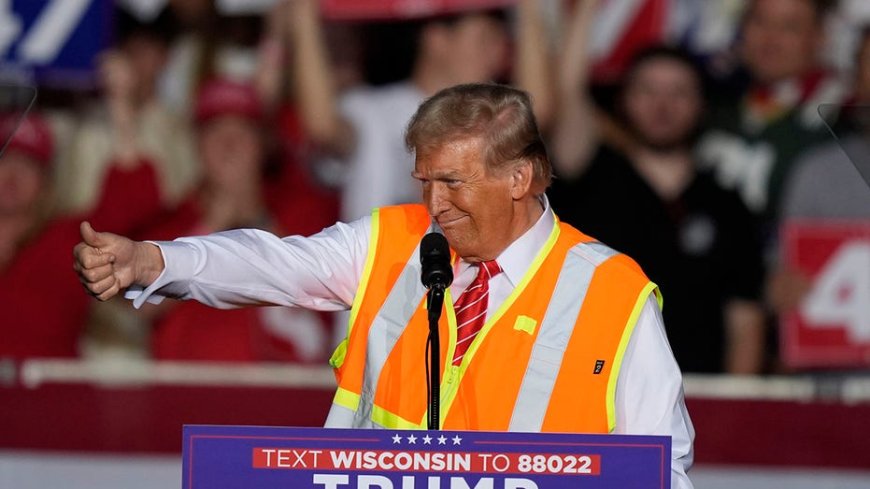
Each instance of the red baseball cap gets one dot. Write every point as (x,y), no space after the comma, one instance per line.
(225,97)
(32,136)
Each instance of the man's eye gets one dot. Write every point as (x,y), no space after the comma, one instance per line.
(452,183)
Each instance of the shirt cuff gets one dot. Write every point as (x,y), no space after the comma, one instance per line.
(180,263)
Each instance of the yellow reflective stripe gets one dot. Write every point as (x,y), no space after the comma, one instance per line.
(448,386)
(389,420)
(620,351)
(447,401)
(367,271)
(346,398)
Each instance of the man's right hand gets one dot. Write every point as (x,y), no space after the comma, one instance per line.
(108,263)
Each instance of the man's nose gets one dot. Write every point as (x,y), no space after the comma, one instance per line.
(433,197)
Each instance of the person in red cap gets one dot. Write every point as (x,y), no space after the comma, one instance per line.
(24,163)
(235,193)
(33,246)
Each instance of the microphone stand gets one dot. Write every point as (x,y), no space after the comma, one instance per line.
(434,301)
(436,275)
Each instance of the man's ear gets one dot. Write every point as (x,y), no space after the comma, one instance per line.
(521,179)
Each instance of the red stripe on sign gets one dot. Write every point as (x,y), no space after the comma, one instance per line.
(426,461)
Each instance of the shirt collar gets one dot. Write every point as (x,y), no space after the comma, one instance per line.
(517,257)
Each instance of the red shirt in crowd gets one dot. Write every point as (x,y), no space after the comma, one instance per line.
(43,304)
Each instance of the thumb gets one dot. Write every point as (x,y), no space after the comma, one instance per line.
(91,237)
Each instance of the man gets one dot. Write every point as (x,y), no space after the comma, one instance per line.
(695,239)
(579,322)
(754,139)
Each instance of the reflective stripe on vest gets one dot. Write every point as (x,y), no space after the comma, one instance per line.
(557,327)
(381,378)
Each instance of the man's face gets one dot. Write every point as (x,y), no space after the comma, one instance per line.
(780,39)
(474,49)
(472,205)
(22,181)
(663,103)
(148,58)
(230,150)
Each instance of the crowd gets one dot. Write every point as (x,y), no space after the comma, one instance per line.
(203,123)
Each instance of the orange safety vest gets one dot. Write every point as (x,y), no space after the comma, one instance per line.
(547,360)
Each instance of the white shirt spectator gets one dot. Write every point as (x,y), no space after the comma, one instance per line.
(378,172)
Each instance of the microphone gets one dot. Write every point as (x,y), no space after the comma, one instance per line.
(435,259)
(437,275)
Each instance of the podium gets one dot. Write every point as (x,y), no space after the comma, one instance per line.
(225,457)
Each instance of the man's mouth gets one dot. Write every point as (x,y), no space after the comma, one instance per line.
(449,221)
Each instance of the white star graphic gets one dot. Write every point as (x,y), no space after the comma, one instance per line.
(457,440)
(412,440)
(442,440)
(397,439)
(427,440)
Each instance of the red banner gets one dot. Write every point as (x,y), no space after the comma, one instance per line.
(402,9)
(831,326)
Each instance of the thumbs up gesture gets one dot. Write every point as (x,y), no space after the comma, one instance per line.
(108,263)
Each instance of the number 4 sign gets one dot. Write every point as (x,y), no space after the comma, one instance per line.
(831,327)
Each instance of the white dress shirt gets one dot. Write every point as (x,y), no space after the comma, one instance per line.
(322,272)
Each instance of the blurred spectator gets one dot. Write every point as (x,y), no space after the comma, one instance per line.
(364,129)
(694,239)
(343,46)
(580,124)
(826,184)
(313,192)
(232,194)
(39,294)
(128,120)
(755,137)
(209,45)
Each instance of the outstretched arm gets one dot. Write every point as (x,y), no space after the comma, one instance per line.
(230,269)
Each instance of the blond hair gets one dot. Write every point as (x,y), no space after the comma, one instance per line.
(499,114)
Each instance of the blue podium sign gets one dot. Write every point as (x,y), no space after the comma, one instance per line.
(224,457)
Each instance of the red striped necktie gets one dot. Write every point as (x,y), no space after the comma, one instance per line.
(471,308)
